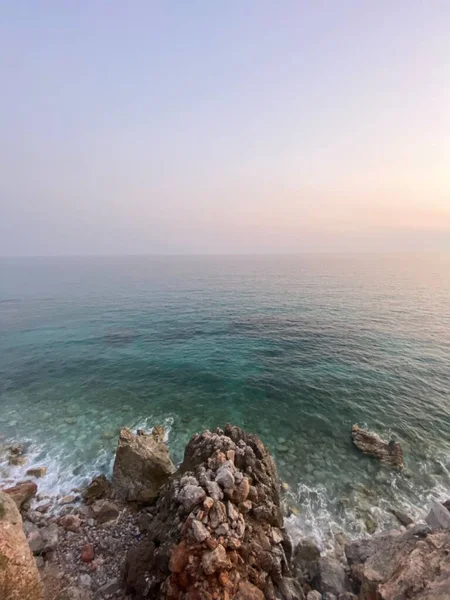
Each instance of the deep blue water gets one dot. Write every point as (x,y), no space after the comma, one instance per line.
(295,349)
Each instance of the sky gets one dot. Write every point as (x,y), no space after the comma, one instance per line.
(229,127)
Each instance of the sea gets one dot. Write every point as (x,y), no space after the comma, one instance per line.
(295,349)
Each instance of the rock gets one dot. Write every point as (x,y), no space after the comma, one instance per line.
(141,466)
(215,560)
(402,517)
(69,499)
(332,577)
(371,524)
(85,580)
(290,589)
(232,511)
(17,461)
(87,553)
(191,495)
(248,591)
(447,504)
(314,595)
(214,490)
(104,511)
(179,558)
(200,532)
(37,472)
(390,453)
(111,587)
(98,489)
(306,560)
(43,508)
(70,522)
(225,477)
(19,577)
(217,514)
(22,492)
(200,548)
(438,517)
(411,564)
(241,491)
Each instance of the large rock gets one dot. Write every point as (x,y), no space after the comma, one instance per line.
(98,489)
(229,545)
(413,564)
(389,453)
(22,492)
(438,517)
(141,466)
(332,577)
(19,577)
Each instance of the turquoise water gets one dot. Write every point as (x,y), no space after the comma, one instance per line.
(295,349)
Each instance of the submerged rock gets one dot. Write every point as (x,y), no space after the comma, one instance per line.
(19,577)
(37,472)
(389,453)
(141,466)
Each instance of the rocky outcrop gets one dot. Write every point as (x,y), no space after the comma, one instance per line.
(216,530)
(19,577)
(22,492)
(389,453)
(142,465)
(395,565)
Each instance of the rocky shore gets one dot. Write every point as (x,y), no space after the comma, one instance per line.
(211,529)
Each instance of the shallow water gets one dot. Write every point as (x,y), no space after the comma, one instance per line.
(295,349)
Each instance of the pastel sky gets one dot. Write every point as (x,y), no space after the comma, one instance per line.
(226,126)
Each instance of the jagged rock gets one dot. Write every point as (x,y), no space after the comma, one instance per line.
(248,591)
(332,577)
(37,472)
(402,517)
(438,517)
(111,587)
(141,466)
(314,595)
(413,564)
(22,492)
(390,453)
(104,511)
(191,495)
(306,560)
(70,522)
(200,532)
(188,540)
(98,489)
(215,560)
(291,589)
(19,577)
(214,490)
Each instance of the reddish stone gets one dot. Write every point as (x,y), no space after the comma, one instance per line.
(212,543)
(87,553)
(179,559)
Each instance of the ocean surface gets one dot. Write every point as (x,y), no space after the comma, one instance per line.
(294,349)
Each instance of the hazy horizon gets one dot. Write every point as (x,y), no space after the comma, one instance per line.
(194,129)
